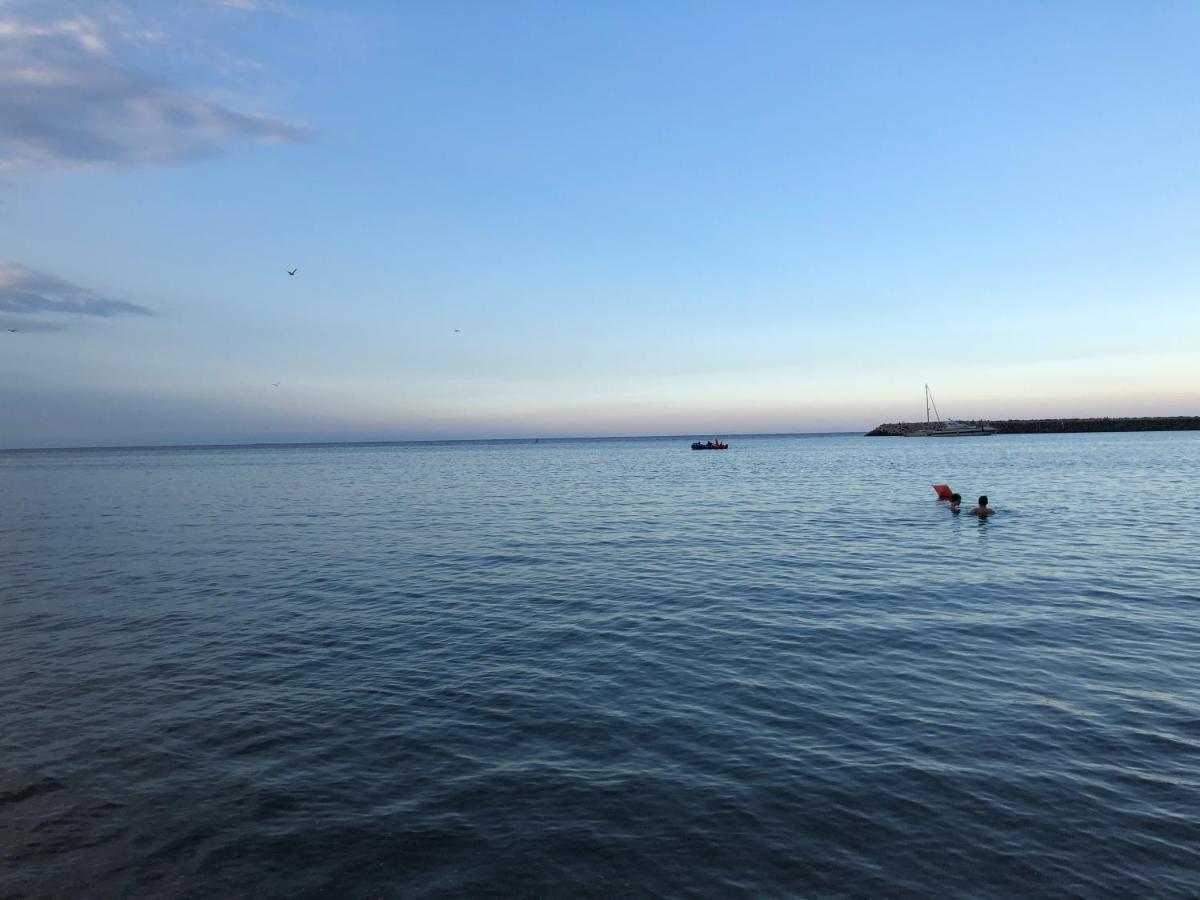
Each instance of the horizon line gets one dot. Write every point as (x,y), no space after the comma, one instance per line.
(477,440)
(536,438)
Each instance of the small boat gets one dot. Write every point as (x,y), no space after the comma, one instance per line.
(949,428)
(709,445)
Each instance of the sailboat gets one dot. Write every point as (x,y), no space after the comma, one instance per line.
(935,427)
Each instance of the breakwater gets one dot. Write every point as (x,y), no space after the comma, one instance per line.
(1056,426)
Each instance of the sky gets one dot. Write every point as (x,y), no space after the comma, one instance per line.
(535,219)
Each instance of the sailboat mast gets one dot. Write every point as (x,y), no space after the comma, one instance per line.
(926,404)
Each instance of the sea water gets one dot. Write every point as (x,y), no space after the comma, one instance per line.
(604,667)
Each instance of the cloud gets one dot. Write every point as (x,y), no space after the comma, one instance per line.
(25,292)
(249,5)
(82,31)
(68,101)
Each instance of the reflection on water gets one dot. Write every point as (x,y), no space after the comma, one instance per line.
(603,667)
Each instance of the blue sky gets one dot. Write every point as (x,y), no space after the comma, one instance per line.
(678,217)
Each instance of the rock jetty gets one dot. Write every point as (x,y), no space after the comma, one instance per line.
(1055,426)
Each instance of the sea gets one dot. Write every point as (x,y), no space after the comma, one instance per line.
(603,668)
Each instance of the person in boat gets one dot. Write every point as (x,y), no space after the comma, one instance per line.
(982,510)
(955,502)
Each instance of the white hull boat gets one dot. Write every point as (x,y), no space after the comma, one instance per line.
(935,427)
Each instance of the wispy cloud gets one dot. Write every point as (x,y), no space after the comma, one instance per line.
(250,5)
(81,30)
(68,100)
(25,293)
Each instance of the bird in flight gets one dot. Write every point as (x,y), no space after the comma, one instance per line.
(274,384)
(293,271)
(12,331)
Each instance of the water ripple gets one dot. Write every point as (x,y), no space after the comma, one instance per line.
(601,668)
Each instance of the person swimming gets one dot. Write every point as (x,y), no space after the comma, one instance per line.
(955,502)
(982,510)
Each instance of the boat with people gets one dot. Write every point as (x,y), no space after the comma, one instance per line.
(709,445)
(936,427)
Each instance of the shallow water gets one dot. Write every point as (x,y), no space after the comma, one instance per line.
(602,667)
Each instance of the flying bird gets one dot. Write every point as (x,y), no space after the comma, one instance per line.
(274,384)
(456,331)
(293,271)
(12,331)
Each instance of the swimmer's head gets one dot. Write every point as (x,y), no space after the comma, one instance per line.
(983,500)
(956,498)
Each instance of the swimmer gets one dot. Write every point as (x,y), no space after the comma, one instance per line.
(982,510)
(955,501)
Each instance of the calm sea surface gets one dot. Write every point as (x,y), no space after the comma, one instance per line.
(613,668)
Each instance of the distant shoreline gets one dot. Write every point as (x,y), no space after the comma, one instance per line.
(1056,426)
